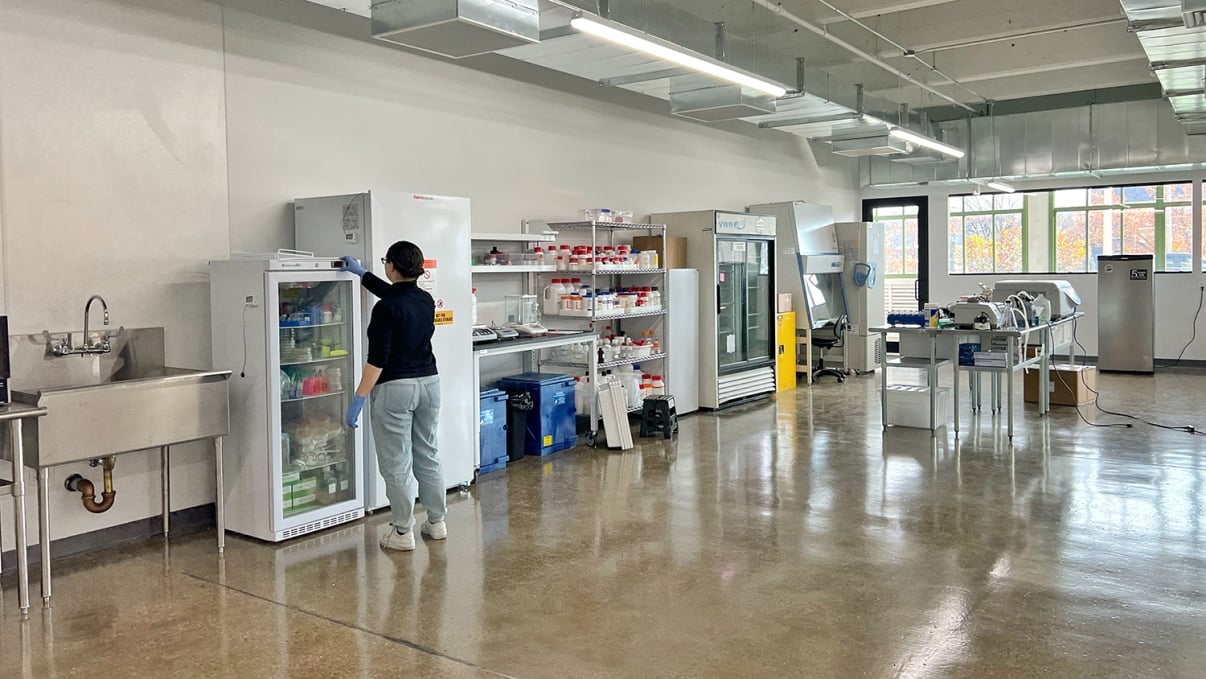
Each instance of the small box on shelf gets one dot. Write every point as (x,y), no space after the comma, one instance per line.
(672,256)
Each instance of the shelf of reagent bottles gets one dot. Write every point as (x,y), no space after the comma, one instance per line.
(513,237)
(611,317)
(605,365)
(608,272)
(512,268)
(605,226)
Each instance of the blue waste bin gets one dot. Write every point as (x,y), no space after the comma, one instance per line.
(551,424)
(492,415)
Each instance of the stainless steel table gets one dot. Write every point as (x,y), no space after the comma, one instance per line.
(1014,338)
(12,415)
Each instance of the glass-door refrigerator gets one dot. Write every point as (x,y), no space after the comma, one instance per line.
(289,328)
(735,254)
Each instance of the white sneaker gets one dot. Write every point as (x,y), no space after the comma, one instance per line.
(435,531)
(390,539)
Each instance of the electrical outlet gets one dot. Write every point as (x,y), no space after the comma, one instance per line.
(250,300)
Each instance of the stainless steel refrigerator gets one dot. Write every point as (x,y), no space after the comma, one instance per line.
(1126,313)
(735,253)
(364,225)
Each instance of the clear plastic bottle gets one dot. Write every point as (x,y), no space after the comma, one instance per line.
(655,299)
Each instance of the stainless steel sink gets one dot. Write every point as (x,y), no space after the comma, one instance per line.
(113,403)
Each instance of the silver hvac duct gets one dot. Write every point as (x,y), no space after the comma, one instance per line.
(457,28)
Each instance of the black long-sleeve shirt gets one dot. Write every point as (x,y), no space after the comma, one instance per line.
(400,330)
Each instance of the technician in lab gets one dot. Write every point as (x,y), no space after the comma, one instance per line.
(401,378)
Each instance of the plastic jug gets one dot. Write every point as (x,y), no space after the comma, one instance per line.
(1042,308)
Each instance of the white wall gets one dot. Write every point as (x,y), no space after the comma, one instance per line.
(1176,294)
(124,122)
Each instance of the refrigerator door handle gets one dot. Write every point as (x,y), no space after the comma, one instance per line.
(718,299)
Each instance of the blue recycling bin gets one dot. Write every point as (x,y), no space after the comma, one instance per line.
(551,425)
(492,415)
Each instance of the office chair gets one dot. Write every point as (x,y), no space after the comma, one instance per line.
(837,333)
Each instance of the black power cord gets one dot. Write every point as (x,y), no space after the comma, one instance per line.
(1194,335)
(1187,429)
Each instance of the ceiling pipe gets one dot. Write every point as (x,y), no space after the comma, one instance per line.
(784,14)
(904,51)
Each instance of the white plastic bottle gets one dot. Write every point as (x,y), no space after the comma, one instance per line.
(552,297)
(659,386)
(1042,308)
(473,306)
(655,299)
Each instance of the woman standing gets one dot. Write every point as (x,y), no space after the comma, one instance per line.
(402,379)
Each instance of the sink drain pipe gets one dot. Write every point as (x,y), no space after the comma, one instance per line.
(78,484)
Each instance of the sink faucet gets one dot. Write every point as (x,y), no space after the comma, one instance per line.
(89,347)
(88,312)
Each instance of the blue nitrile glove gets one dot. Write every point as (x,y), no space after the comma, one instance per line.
(354,409)
(352,265)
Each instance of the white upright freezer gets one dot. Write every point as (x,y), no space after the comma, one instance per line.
(289,330)
(735,253)
(364,225)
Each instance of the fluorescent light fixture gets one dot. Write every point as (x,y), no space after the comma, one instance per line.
(663,50)
(928,142)
(1000,186)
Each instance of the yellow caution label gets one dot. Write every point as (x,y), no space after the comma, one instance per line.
(443,317)
(548,441)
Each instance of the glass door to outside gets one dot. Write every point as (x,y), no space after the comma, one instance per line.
(317,370)
(745,286)
(906,255)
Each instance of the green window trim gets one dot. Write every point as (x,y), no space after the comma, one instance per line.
(1159,206)
(1023,212)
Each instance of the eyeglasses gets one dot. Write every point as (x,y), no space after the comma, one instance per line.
(384,260)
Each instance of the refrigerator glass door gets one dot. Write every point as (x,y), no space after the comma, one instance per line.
(759,303)
(313,376)
(731,258)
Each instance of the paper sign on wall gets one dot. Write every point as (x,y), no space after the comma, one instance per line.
(443,317)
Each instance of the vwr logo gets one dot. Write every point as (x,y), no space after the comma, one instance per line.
(733,224)
(418,197)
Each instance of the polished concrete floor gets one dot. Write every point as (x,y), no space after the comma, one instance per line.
(790,538)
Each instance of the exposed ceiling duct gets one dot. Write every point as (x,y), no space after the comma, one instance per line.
(1092,141)
(457,28)
(1173,34)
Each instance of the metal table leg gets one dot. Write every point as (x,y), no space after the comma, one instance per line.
(165,471)
(22,543)
(1009,378)
(220,501)
(955,391)
(933,378)
(44,530)
(883,388)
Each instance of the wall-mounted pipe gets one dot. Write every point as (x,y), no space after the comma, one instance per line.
(78,484)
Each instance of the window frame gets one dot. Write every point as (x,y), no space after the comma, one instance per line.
(1159,205)
(1023,212)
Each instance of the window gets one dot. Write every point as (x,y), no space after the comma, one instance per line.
(1156,219)
(988,233)
(900,240)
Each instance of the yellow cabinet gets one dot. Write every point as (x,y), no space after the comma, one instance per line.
(785,361)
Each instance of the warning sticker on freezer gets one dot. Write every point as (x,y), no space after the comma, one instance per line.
(428,280)
(443,317)
(1138,274)
(548,441)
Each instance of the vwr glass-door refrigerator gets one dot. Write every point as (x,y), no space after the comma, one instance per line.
(735,253)
(289,327)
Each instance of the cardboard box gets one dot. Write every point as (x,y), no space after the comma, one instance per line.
(784,305)
(1069,385)
(675,256)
